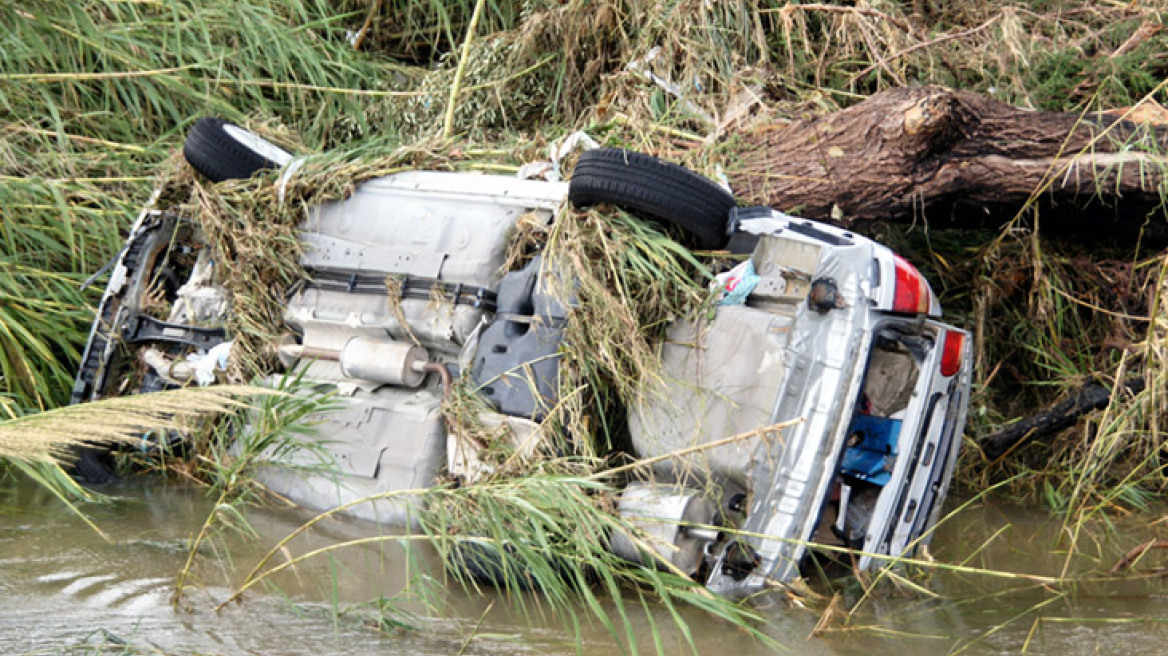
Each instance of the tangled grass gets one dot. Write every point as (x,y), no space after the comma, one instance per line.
(95,97)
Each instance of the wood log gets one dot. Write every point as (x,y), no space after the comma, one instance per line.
(1059,416)
(957,159)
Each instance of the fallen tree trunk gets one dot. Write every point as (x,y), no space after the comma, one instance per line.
(1063,414)
(959,159)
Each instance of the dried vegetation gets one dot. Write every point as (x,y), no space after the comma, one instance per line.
(95,98)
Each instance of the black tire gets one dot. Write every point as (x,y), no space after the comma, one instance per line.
(93,466)
(221,151)
(487,564)
(664,191)
(499,567)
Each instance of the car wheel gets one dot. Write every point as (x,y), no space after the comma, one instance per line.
(662,190)
(93,466)
(222,151)
(500,567)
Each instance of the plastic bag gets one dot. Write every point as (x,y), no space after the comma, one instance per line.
(736,284)
(207,364)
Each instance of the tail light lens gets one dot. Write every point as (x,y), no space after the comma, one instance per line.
(912,292)
(952,352)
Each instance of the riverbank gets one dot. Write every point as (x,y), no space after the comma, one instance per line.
(98,98)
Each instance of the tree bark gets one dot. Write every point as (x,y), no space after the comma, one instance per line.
(1063,414)
(956,158)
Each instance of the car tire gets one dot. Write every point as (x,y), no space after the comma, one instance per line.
(488,565)
(664,191)
(222,151)
(499,567)
(93,466)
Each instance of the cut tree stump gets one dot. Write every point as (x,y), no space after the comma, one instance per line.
(958,159)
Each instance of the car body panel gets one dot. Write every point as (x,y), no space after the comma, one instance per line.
(411,265)
(813,378)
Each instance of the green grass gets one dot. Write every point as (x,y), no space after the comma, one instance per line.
(95,99)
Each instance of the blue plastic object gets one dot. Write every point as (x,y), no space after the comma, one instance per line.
(737,284)
(872,449)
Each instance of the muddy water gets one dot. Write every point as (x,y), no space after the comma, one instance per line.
(61,585)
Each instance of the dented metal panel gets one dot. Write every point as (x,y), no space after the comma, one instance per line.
(412,264)
(456,224)
(390,441)
(719,378)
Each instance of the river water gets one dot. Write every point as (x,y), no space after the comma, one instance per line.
(63,587)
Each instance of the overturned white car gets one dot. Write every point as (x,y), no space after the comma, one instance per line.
(826,333)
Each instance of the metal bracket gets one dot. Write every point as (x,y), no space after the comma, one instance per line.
(142,328)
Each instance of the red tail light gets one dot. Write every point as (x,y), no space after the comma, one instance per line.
(912,292)
(951,353)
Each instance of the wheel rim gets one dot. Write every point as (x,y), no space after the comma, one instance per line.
(259,145)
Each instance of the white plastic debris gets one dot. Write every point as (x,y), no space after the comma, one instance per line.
(736,284)
(578,140)
(206,364)
(537,171)
(766,225)
(200,300)
(550,170)
(641,67)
